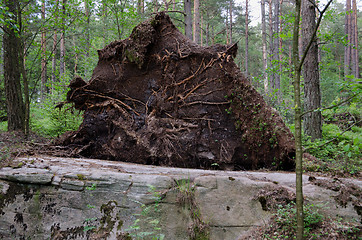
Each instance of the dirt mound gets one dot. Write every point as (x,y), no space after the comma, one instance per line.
(158,98)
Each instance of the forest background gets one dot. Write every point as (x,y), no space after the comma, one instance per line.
(59,39)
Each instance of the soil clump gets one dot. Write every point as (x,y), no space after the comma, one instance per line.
(158,98)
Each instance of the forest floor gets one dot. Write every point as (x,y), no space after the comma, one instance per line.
(14,144)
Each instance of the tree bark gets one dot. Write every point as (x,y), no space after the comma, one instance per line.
(312,95)
(105,22)
(271,45)
(202,29)
(298,124)
(140,7)
(43,56)
(246,38)
(62,44)
(265,61)
(155,6)
(355,58)
(54,49)
(188,19)
(347,48)
(231,21)
(12,48)
(275,56)
(297,65)
(87,32)
(196,21)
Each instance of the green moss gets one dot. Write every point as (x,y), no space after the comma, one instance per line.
(80,177)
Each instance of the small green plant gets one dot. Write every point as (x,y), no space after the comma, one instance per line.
(285,219)
(89,222)
(198,230)
(147,220)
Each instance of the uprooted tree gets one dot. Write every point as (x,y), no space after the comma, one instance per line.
(159,98)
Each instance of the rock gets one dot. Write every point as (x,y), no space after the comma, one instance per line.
(98,199)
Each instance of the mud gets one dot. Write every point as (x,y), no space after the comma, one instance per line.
(158,98)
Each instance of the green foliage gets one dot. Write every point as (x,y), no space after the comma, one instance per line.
(47,120)
(339,152)
(3,126)
(285,218)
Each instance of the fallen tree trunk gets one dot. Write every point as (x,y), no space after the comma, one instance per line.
(158,98)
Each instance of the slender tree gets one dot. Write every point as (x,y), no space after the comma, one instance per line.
(246,38)
(44,53)
(231,20)
(312,95)
(265,62)
(196,21)
(348,32)
(355,58)
(188,19)
(55,43)
(275,56)
(271,45)
(87,29)
(297,65)
(62,42)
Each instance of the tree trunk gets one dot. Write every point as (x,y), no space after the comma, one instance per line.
(155,6)
(227,26)
(280,47)
(105,22)
(87,32)
(297,64)
(43,56)
(26,96)
(231,20)
(271,45)
(312,95)
(202,29)
(54,49)
(12,48)
(196,21)
(246,38)
(188,19)
(347,48)
(140,7)
(265,62)
(275,56)
(166,4)
(298,124)
(62,44)
(355,58)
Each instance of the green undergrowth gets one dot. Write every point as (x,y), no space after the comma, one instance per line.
(316,225)
(338,152)
(49,121)
(49,117)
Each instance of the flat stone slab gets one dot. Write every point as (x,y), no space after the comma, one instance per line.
(62,198)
